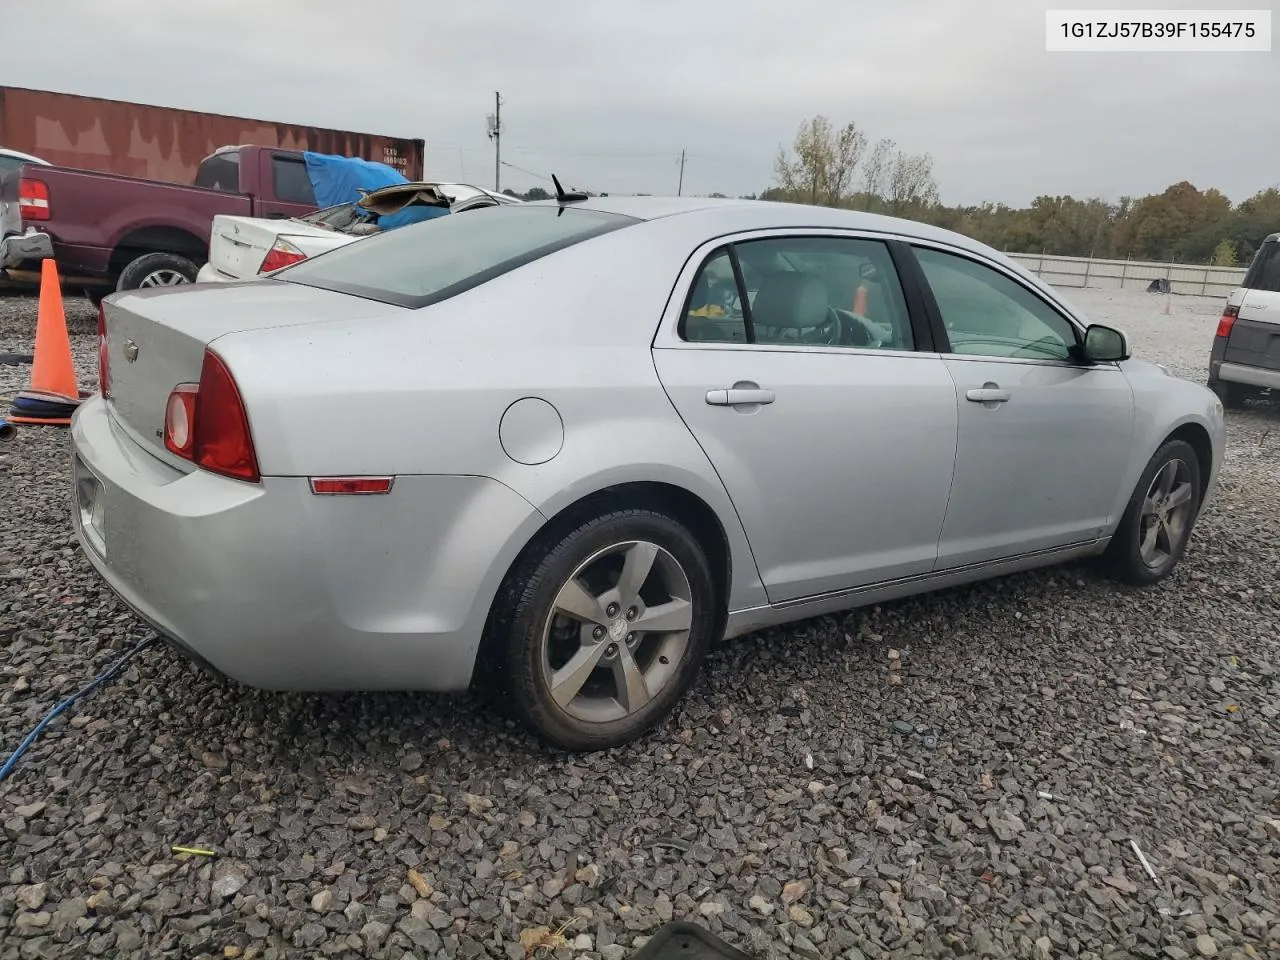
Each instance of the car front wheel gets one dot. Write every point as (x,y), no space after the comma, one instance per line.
(1157,522)
(601,630)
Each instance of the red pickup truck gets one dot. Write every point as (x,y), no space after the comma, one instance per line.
(108,232)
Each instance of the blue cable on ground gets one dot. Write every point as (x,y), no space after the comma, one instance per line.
(49,717)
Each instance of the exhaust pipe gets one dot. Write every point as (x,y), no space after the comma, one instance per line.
(7,430)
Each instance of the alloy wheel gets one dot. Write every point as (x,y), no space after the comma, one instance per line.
(163,278)
(618,630)
(1166,514)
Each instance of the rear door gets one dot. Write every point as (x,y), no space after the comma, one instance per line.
(834,432)
(1255,335)
(285,188)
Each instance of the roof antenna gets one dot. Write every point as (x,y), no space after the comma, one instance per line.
(562,196)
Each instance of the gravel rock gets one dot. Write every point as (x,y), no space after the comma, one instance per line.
(1152,714)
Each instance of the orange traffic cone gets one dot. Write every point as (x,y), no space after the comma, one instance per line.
(53,393)
(860,301)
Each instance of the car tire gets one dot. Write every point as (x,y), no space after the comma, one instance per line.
(531,641)
(157,270)
(1136,554)
(1232,395)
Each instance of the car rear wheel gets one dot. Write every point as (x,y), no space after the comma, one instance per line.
(1232,395)
(157,270)
(1161,513)
(602,630)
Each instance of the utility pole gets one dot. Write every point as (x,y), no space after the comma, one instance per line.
(680,188)
(495,134)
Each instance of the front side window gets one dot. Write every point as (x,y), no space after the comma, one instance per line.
(428,262)
(827,291)
(987,314)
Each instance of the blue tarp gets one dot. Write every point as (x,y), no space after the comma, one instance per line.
(338,180)
(415,214)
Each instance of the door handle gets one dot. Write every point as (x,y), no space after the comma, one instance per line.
(737,396)
(988,393)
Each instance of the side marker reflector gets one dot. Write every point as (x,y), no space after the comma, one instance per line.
(346,486)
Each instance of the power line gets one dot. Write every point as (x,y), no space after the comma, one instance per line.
(540,176)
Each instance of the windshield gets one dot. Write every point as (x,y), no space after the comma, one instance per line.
(428,262)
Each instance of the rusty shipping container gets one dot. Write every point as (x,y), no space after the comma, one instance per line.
(165,143)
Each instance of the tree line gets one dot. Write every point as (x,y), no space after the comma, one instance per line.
(833,167)
(840,167)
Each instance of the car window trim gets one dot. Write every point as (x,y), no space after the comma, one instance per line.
(924,342)
(940,331)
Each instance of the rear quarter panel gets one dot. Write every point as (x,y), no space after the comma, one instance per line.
(424,392)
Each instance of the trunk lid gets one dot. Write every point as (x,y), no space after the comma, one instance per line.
(238,245)
(156,338)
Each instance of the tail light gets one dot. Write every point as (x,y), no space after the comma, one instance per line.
(206,423)
(1227,321)
(33,199)
(104,364)
(281,254)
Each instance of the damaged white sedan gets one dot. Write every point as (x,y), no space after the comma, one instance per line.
(243,248)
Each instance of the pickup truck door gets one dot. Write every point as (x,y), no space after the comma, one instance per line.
(284,187)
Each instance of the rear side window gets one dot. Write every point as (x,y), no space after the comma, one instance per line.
(291,181)
(220,172)
(1264,272)
(432,261)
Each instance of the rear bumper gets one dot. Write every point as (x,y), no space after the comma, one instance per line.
(1248,375)
(211,274)
(277,588)
(21,247)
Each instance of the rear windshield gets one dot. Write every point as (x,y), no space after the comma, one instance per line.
(1264,272)
(418,265)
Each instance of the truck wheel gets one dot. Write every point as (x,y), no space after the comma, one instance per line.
(157,270)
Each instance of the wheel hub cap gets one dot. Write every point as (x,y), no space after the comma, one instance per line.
(617,633)
(1166,514)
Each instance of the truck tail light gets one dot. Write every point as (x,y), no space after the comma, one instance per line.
(33,199)
(1227,321)
(207,423)
(104,358)
(281,254)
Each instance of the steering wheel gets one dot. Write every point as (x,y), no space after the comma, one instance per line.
(849,333)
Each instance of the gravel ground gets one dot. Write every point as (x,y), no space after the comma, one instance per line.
(780,807)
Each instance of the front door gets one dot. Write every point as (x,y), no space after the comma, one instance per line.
(832,434)
(1043,441)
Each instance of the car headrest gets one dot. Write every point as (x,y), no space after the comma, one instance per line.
(789,299)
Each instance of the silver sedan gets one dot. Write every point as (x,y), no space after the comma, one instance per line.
(562,447)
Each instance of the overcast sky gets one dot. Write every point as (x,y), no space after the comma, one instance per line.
(606,93)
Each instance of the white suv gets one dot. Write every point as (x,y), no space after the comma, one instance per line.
(1245,358)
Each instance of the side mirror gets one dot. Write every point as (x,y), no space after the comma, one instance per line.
(1104,345)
